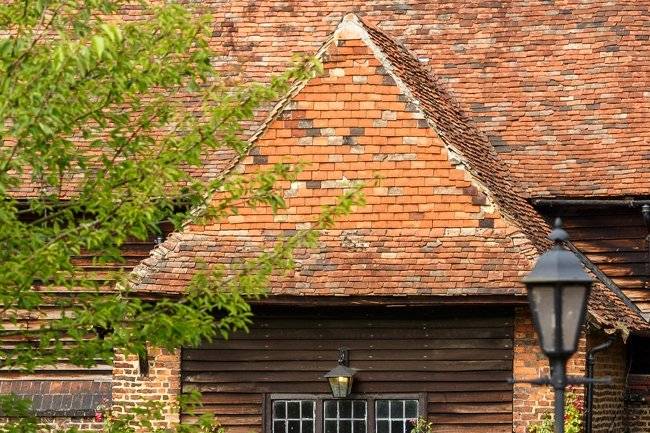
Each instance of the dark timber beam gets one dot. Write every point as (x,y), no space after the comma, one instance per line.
(391,301)
(594,203)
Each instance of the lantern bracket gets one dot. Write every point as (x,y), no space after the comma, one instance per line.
(344,356)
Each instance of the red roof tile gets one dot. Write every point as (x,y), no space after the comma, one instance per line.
(561,88)
(445,221)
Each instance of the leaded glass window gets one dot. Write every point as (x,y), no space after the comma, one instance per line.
(395,416)
(345,416)
(293,416)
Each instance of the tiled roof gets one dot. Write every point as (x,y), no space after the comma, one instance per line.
(560,88)
(445,221)
(60,398)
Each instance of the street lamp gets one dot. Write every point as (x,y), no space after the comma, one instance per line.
(558,289)
(341,376)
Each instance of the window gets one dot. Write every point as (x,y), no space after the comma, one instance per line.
(293,416)
(345,416)
(359,414)
(395,416)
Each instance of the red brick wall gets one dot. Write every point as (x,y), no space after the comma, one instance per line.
(609,404)
(161,384)
(531,402)
(638,412)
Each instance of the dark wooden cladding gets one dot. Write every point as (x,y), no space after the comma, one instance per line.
(614,239)
(459,358)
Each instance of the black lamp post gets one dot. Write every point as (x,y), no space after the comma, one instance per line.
(558,289)
(340,377)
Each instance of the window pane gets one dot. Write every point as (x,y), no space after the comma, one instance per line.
(294,426)
(345,426)
(411,409)
(358,427)
(330,409)
(293,409)
(330,427)
(279,409)
(307,427)
(396,409)
(382,427)
(307,409)
(359,409)
(397,427)
(382,409)
(345,409)
(278,427)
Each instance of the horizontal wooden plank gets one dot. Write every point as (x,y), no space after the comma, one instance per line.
(334,344)
(363,334)
(361,387)
(469,408)
(624,269)
(601,221)
(469,397)
(357,355)
(473,428)
(610,232)
(618,257)
(589,246)
(456,323)
(374,365)
(367,376)
(229,426)
(497,418)
(231,410)
(629,282)
(232,398)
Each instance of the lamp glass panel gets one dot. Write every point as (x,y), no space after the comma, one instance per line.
(574,299)
(340,386)
(542,304)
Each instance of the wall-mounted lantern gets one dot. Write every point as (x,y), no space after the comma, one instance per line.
(341,377)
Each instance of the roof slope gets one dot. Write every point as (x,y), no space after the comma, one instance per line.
(562,89)
(445,221)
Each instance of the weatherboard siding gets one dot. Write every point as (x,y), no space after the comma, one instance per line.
(457,362)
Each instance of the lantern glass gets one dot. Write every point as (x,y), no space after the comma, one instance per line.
(571,301)
(574,300)
(341,386)
(542,304)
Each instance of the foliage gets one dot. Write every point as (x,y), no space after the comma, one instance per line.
(421,425)
(573,412)
(93,112)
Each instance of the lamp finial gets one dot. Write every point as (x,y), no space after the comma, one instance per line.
(558,234)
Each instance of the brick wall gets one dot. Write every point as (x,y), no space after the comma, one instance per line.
(638,411)
(609,403)
(530,402)
(130,388)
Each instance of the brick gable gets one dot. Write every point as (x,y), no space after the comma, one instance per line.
(429,227)
(445,219)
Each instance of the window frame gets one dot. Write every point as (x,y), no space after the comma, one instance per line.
(369,398)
